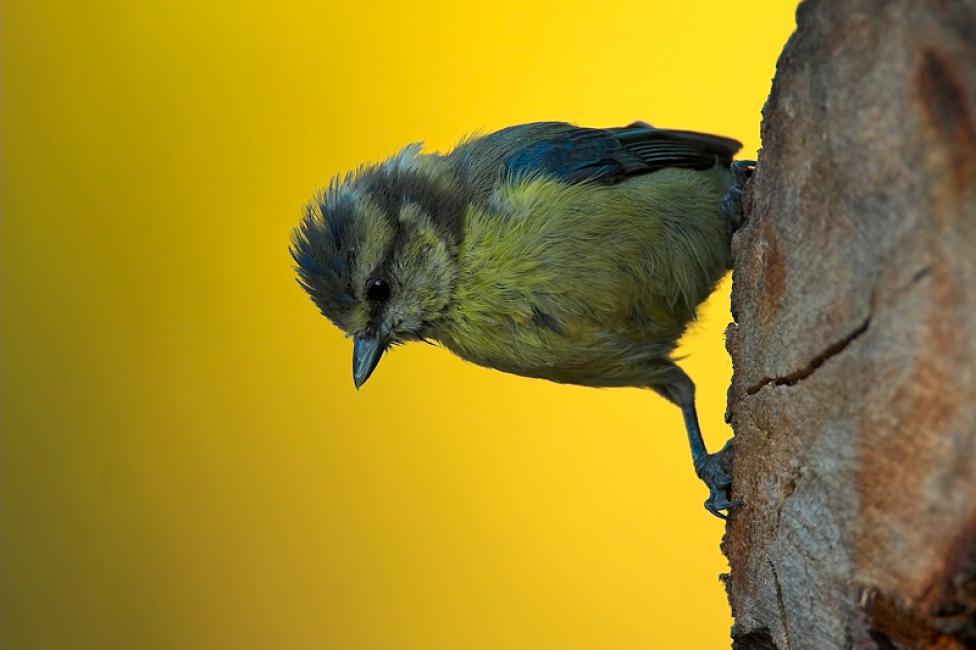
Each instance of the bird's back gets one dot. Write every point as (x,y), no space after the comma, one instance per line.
(586,279)
(574,154)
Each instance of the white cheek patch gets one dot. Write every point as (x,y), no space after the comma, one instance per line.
(424,274)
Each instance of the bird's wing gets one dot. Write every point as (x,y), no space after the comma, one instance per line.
(573,154)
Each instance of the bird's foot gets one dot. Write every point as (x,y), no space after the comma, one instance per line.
(716,472)
(732,199)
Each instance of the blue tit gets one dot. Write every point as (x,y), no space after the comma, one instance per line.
(577,255)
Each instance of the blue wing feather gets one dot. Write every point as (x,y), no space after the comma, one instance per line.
(610,156)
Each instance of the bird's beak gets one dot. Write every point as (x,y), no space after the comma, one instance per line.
(366,353)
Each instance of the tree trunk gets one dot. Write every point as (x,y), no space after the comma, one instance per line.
(854,294)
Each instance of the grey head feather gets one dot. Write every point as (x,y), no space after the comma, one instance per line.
(326,243)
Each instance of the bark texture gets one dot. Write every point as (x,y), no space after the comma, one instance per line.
(854,295)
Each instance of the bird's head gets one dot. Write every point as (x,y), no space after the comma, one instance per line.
(377,250)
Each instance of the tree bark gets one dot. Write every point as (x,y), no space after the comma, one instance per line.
(854,343)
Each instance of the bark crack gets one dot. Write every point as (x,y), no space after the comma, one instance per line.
(788,489)
(781,606)
(799,375)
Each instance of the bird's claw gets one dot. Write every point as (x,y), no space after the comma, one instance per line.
(715,471)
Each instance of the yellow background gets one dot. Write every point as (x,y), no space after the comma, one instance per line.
(185,463)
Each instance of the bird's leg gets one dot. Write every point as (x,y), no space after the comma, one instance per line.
(713,469)
(732,199)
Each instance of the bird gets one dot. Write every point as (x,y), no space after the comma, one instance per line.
(573,254)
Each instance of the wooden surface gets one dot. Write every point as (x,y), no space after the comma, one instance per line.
(854,346)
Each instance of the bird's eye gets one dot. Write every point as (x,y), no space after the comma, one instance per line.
(378,290)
